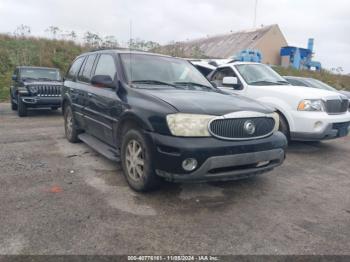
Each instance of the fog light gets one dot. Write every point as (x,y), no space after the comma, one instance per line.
(318,125)
(189,164)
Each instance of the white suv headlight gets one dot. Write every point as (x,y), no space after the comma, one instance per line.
(311,105)
(191,125)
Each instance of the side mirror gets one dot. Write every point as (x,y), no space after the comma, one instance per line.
(14,77)
(102,81)
(231,81)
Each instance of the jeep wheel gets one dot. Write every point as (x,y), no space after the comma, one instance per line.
(70,128)
(22,108)
(137,162)
(14,106)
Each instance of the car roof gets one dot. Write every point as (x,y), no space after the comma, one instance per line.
(123,51)
(239,63)
(35,67)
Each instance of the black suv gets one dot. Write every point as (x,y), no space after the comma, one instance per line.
(35,87)
(162,118)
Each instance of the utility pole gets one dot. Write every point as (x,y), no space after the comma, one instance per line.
(255,11)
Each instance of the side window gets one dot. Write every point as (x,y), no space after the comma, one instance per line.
(220,74)
(106,66)
(74,69)
(85,71)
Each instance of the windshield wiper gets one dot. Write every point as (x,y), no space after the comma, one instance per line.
(192,83)
(153,82)
(283,82)
(28,78)
(265,82)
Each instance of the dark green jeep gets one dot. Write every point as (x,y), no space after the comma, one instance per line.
(35,87)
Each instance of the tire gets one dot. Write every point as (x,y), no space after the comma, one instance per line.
(70,126)
(284,127)
(14,106)
(22,108)
(137,162)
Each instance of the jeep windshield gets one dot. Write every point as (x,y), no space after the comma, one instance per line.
(42,74)
(260,75)
(153,71)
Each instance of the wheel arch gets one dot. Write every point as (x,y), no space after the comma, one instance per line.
(281,107)
(65,101)
(130,120)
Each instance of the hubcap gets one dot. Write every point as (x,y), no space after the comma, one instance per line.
(69,123)
(134,160)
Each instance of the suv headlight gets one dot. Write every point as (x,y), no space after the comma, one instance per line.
(311,105)
(22,90)
(190,125)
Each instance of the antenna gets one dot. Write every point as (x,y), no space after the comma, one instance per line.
(130,57)
(255,11)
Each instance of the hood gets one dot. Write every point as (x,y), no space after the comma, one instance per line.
(206,102)
(48,83)
(346,93)
(301,92)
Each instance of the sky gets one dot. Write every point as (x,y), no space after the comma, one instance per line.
(328,22)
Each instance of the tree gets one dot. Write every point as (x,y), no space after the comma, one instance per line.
(92,39)
(143,45)
(22,31)
(72,35)
(110,41)
(53,30)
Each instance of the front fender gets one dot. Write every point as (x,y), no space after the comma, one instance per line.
(280,106)
(130,117)
(66,100)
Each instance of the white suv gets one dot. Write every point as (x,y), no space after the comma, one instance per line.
(305,113)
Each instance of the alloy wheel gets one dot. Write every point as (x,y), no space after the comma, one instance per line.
(135,160)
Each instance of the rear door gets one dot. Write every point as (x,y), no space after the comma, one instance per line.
(104,106)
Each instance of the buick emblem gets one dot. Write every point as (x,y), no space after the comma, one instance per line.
(249,127)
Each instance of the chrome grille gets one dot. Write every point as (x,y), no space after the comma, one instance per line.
(234,128)
(337,106)
(48,90)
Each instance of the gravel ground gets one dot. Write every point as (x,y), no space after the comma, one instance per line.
(62,198)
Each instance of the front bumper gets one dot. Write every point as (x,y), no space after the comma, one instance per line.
(315,126)
(217,159)
(36,101)
(331,131)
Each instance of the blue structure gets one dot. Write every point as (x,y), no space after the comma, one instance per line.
(299,58)
(249,55)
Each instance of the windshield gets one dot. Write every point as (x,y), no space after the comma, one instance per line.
(163,71)
(318,84)
(259,74)
(40,74)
